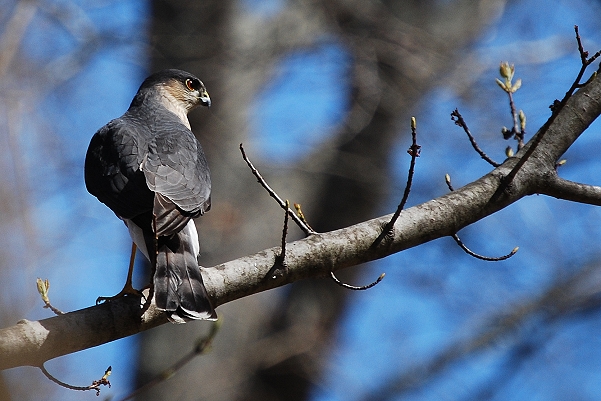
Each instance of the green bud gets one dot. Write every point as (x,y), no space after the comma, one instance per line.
(43,286)
(501,84)
(507,70)
(517,85)
(522,116)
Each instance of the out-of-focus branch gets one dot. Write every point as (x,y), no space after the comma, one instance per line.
(14,31)
(578,293)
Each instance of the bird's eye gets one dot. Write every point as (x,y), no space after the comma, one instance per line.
(190,84)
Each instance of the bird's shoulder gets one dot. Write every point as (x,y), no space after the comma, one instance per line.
(111,168)
(120,136)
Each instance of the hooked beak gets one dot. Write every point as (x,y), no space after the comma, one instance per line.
(205,100)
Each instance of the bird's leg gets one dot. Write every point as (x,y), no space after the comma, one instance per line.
(128,288)
(153,263)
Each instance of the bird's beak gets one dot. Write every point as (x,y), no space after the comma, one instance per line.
(205,100)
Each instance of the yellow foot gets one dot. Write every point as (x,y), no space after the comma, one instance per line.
(127,290)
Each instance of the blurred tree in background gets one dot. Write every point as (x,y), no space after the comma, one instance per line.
(271,68)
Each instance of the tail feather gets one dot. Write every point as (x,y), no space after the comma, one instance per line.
(178,286)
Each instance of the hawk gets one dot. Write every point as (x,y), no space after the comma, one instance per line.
(150,170)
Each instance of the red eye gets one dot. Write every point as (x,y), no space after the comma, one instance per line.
(190,84)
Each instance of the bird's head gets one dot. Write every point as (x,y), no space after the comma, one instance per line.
(176,89)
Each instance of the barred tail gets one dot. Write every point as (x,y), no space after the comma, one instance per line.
(178,286)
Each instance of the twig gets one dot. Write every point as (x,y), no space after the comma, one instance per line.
(459,121)
(414,152)
(201,347)
(279,266)
(355,288)
(282,256)
(94,386)
(518,130)
(482,257)
(306,229)
(583,53)
(518,134)
(43,287)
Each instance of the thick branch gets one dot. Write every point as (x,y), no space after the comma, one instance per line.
(32,343)
(560,188)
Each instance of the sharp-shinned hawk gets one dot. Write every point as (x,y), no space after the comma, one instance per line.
(149,169)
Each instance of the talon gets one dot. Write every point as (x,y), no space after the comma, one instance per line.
(126,291)
(128,288)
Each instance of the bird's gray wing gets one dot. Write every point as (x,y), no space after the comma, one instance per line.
(176,169)
(112,169)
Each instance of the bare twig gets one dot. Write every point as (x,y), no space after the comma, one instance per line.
(459,121)
(584,59)
(94,386)
(43,287)
(414,152)
(306,229)
(482,257)
(202,346)
(355,288)
(279,267)
(518,134)
(282,257)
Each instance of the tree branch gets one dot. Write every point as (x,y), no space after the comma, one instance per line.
(34,342)
(561,188)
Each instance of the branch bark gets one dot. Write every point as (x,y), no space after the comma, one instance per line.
(34,342)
